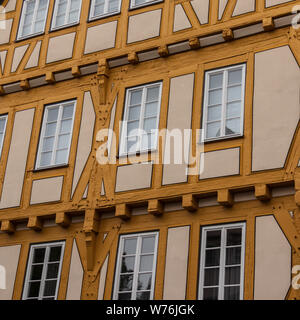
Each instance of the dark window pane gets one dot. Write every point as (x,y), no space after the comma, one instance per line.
(148,244)
(234,237)
(36,272)
(232,293)
(124,296)
(144,281)
(211,277)
(143,295)
(53,298)
(233,256)
(210,294)
(126,282)
(212,258)
(127,265)
(129,246)
(232,275)
(52,271)
(213,239)
(50,288)
(39,255)
(55,253)
(34,289)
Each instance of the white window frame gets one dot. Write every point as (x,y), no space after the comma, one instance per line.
(225,72)
(21,25)
(123,139)
(60,105)
(147,3)
(66,24)
(139,237)
(223,228)
(4,132)
(44,272)
(92,15)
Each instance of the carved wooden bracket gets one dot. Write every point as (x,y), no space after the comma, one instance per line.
(102,77)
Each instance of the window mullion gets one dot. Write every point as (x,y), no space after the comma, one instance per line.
(56,134)
(222,264)
(68,12)
(106,3)
(136,267)
(43,137)
(142,117)
(224,95)
(45,267)
(34,16)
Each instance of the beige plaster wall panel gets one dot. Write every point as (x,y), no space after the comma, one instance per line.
(272,261)
(33,61)
(11,6)
(220,163)
(85,139)
(5,32)
(144,26)
(3,59)
(75,275)
(17,158)
(179,118)
(201,8)
(134,177)
(61,47)
(181,21)
(101,37)
(9,259)
(275,107)
(222,7)
(102,188)
(85,194)
(243,6)
(18,56)
(176,263)
(102,281)
(270,3)
(46,190)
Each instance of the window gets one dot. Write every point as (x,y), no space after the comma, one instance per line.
(56,134)
(222,262)
(3,121)
(101,8)
(66,13)
(33,18)
(43,271)
(135,272)
(224,102)
(140,3)
(141,119)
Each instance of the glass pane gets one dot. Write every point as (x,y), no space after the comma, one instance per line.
(132,128)
(134,113)
(147,142)
(50,129)
(64,141)
(66,126)
(143,295)
(55,253)
(50,288)
(99,7)
(210,293)
(232,275)
(126,282)
(52,270)
(211,277)
(233,110)
(144,281)
(36,272)
(233,126)
(113,5)
(39,255)
(152,94)
(216,81)
(34,289)
(138,2)
(52,114)
(124,296)
(233,255)
(151,109)
(53,298)
(136,97)
(234,237)
(213,129)
(61,157)
(212,258)
(235,77)
(214,113)
(149,124)
(127,265)
(215,97)
(232,293)
(213,238)
(148,244)
(2,124)
(132,144)
(146,263)
(68,111)
(234,93)
(46,159)
(48,144)
(129,246)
